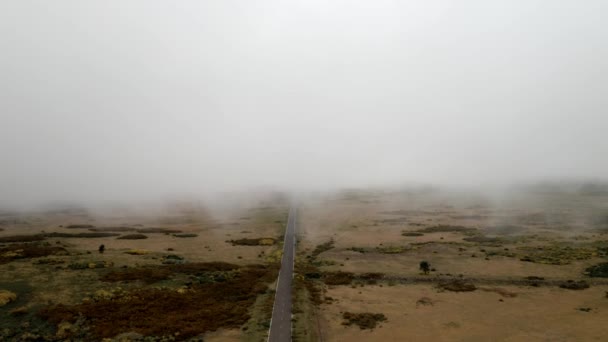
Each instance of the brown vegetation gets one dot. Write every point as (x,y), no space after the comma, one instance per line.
(338,278)
(446,229)
(412,234)
(186,235)
(162,312)
(574,285)
(556,254)
(78,226)
(157,273)
(26,251)
(364,320)
(322,248)
(113,229)
(253,242)
(457,285)
(80,235)
(600,270)
(146,274)
(132,237)
(500,291)
(21,238)
(158,230)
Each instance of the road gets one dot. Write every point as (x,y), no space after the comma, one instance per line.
(280,323)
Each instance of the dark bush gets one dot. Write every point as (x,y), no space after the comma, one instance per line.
(364,320)
(132,237)
(600,270)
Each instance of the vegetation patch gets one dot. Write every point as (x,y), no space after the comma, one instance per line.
(505,229)
(7,297)
(598,271)
(412,234)
(338,278)
(306,279)
(486,240)
(132,237)
(324,247)
(447,229)
(358,249)
(21,238)
(113,229)
(457,285)
(137,252)
(574,285)
(152,274)
(79,226)
(253,242)
(158,230)
(365,320)
(391,249)
(185,235)
(27,251)
(81,235)
(371,278)
(172,259)
(556,254)
(90,265)
(391,221)
(500,291)
(49,261)
(147,275)
(181,314)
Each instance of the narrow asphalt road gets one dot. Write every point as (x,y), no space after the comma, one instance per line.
(280,324)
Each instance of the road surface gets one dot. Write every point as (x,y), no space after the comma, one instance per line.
(280,323)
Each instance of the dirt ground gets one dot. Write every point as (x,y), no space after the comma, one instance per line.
(545,314)
(517,248)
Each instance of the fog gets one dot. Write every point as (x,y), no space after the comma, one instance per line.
(144,99)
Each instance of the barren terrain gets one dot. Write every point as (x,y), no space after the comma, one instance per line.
(513,267)
(180,272)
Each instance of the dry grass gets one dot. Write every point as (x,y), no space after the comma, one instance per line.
(364,320)
(113,229)
(81,235)
(158,230)
(163,312)
(79,226)
(253,242)
(133,237)
(21,238)
(457,285)
(28,251)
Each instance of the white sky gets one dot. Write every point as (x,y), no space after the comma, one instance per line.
(104,99)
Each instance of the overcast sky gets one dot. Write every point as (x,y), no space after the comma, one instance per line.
(103,99)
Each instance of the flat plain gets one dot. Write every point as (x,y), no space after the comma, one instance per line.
(173,272)
(518,266)
(371,265)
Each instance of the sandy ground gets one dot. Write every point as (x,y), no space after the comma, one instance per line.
(533,315)
(527,223)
